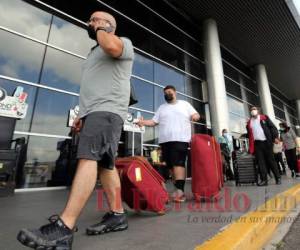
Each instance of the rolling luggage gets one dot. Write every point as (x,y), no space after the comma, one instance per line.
(142,186)
(245,169)
(206,167)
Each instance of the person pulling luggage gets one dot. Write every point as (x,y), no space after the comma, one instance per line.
(103,107)
(174,119)
(262,133)
(289,139)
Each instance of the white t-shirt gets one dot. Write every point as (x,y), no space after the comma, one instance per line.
(258,132)
(174,121)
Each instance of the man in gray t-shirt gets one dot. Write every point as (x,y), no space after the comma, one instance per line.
(104,99)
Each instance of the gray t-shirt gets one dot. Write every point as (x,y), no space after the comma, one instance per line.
(289,139)
(105,81)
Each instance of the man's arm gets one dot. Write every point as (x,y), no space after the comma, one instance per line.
(110,43)
(147,123)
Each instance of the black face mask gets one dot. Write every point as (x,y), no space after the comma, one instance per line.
(169,97)
(91,32)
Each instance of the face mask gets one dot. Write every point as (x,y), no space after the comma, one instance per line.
(254,112)
(91,32)
(225,134)
(169,97)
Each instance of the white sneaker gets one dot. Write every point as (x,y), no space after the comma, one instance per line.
(178,196)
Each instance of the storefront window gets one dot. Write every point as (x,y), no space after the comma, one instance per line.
(70,37)
(51,113)
(22,124)
(166,76)
(62,70)
(143,67)
(144,92)
(22,59)
(41,161)
(24,18)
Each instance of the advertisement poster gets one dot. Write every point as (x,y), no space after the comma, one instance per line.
(13,106)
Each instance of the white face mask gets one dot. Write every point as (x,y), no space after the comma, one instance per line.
(254,112)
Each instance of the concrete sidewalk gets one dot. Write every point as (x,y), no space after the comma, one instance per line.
(181,228)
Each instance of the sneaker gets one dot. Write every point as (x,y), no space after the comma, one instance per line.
(178,196)
(53,236)
(111,222)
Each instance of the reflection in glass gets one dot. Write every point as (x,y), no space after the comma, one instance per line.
(144,92)
(21,59)
(41,157)
(237,124)
(62,70)
(193,87)
(279,113)
(70,37)
(166,76)
(51,113)
(236,106)
(24,18)
(277,102)
(158,97)
(143,67)
(233,88)
(23,124)
(252,99)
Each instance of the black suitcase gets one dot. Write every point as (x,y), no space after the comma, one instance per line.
(245,170)
(8,161)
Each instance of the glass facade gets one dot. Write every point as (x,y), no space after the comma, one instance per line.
(46,50)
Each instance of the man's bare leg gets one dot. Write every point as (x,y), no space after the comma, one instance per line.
(82,188)
(179,182)
(110,181)
(179,173)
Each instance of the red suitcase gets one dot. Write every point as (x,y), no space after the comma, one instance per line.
(142,186)
(206,167)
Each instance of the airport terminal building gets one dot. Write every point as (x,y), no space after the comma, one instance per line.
(222,56)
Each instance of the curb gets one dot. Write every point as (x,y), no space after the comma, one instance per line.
(255,229)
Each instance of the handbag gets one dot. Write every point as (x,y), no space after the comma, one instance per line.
(133,99)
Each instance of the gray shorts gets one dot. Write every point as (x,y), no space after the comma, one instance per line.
(99,138)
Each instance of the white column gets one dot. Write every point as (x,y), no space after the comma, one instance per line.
(264,91)
(215,78)
(286,114)
(298,116)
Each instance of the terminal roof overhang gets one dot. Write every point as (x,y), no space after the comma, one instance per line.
(258,31)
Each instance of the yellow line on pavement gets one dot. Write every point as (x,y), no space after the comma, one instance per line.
(255,229)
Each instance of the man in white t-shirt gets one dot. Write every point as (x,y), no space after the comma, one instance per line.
(174,119)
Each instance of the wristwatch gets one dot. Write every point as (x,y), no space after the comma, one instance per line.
(100,28)
(107,29)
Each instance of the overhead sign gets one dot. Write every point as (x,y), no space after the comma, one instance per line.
(13,106)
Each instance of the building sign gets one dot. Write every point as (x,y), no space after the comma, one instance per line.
(13,106)
(131,126)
